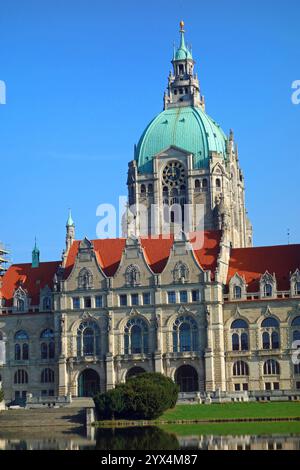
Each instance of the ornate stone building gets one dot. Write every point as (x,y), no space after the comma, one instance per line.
(218,316)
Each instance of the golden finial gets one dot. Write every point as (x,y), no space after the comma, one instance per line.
(181,25)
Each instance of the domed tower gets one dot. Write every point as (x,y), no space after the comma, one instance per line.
(185,174)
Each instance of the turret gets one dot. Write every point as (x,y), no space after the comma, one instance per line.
(70,231)
(183,84)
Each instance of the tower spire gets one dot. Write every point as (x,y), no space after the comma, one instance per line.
(183,88)
(35,255)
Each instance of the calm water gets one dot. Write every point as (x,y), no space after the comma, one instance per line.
(150,438)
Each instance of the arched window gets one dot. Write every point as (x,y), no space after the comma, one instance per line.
(136,336)
(21,377)
(240,335)
(270,322)
(185,334)
(218,184)
(21,346)
(21,335)
(47,344)
(88,339)
(204,184)
(295,326)
(47,376)
(197,185)
(271,367)
(237,292)
(240,368)
(143,189)
(150,188)
(270,333)
(85,279)
(239,324)
(268,290)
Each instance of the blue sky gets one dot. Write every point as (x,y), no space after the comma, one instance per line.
(84,77)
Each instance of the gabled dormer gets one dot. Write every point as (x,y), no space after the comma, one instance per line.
(20,300)
(268,285)
(295,283)
(237,287)
(133,270)
(46,303)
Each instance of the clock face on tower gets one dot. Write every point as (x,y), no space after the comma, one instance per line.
(173,174)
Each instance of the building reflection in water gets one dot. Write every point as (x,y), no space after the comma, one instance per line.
(139,438)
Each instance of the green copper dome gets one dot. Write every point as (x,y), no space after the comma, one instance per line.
(188,128)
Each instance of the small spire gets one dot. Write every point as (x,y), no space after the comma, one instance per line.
(182,42)
(70,221)
(35,255)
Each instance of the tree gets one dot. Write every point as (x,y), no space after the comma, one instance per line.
(1,395)
(145,396)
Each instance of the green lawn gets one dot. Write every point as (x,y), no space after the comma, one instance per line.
(233,411)
(233,429)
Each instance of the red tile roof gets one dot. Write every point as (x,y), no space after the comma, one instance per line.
(157,250)
(29,278)
(253,262)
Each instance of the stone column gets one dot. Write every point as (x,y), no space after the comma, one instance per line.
(62,377)
(110,373)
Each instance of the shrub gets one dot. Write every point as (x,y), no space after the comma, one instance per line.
(1,395)
(145,396)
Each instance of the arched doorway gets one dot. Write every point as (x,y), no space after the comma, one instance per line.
(134,371)
(187,379)
(88,383)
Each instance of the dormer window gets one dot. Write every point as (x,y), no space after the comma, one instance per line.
(297,288)
(237,287)
(267,285)
(20,305)
(47,303)
(237,292)
(268,290)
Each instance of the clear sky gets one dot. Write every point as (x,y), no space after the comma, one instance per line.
(84,77)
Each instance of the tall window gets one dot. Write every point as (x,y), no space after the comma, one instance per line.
(237,292)
(185,334)
(296,329)
(21,346)
(21,377)
(136,336)
(47,303)
(271,367)
(239,336)
(20,305)
(88,339)
(47,376)
(268,290)
(47,344)
(270,333)
(240,368)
